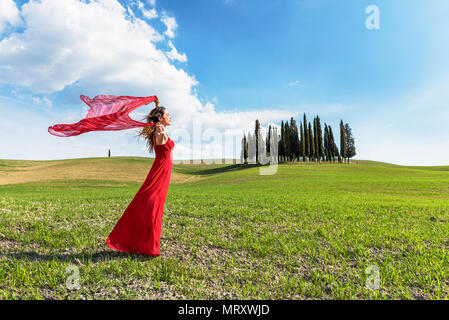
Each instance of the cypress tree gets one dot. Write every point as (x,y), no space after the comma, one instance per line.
(303,145)
(350,146)
(268,139)
(306,138)
(332,145)
(109,153)
(320,139)
(242,149)
(315,139)
(256,135)
(294,138)
(326,142)
(287,145)
(342,140)
(281,151)
(246,150)
(311,144)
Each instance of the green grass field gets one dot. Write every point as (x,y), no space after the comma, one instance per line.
(311,231)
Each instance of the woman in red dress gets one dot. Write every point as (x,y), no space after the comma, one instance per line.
(139,228)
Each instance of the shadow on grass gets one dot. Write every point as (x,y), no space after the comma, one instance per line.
(76,258)
(232,167)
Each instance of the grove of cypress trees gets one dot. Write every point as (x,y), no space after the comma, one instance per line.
(307,143)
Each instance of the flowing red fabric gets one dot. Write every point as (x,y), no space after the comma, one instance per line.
(105,113)
(139,228)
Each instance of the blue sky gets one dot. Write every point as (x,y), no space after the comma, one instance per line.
(246,59)
(258,47)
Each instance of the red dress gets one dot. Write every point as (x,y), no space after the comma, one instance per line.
(139,228)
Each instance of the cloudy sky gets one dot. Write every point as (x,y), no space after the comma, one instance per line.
(218,65)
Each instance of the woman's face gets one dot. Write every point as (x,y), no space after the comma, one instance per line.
(166,119)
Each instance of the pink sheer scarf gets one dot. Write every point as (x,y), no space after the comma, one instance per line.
(105,113)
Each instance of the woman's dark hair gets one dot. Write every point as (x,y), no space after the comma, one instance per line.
(148,131)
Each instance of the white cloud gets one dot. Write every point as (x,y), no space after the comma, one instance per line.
(47,101)
(149,14)
(174,55)
(293,83)
(92,43)
(36,100)
(72,47)
(170,23)
(9,14)
(151,2)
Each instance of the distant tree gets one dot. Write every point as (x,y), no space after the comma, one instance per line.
(350,146)
(294,139)
(320,139)
(315,139)
(343,144)
(325,143)
(287,146)
(311,144)
(306,138)
(109,153)
(281,150)
(268,139)
(256,135)
(332,146)
(303,143)
(245,150)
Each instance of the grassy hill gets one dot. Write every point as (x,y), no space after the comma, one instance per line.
(310,231)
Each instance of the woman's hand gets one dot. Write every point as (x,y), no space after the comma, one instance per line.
(160,131)
(160,128)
